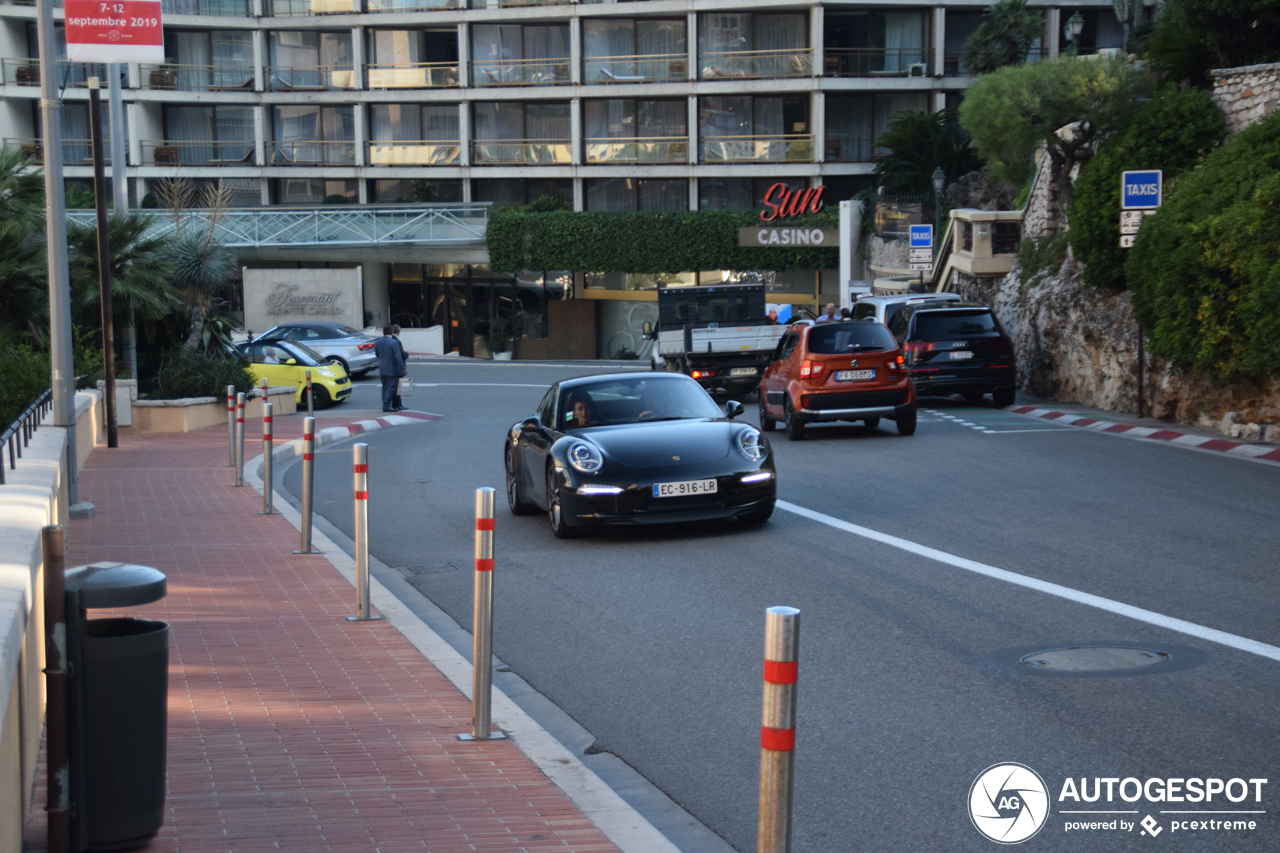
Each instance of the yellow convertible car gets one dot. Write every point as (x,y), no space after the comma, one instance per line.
(287,363)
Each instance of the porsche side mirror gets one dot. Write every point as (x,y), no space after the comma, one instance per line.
(533,423)
(733,408)
(291,361)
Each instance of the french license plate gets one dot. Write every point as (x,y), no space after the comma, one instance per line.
(743,371)
(687,487)
(854,375)
(960,354)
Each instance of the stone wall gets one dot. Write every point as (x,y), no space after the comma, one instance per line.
(1248,94)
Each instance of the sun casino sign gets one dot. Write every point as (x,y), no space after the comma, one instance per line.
(782,203)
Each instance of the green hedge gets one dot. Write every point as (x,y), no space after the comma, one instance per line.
(1170,132)
(645,242)
(196,373)
(26,377)
(1205,270)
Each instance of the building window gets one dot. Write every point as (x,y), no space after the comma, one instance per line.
(313,135)
(313,191)
(625,130)
(519,133)
(519,55)
(746,44)
(740,193)
(207,136)
(871,44)
(412,59)
(217,60)
(310,61)
(630,50)
(752,129)
(414,134)
(403,190)
(624,195)
(520,191)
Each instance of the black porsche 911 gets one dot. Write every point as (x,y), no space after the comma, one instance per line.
(636,449)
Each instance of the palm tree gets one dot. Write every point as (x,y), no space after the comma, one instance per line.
(24,295)
(918,143)
(202,271)
(140,275)
(1005,36)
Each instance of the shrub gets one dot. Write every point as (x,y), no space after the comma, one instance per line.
(1043,256)
(26,377)
(1170,132)
(1205,270)
(195,373)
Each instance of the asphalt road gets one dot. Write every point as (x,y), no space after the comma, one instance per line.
(910,684)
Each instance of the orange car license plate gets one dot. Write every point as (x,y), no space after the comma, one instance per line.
(854,375)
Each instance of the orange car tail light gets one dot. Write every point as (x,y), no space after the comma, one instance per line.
(811,369)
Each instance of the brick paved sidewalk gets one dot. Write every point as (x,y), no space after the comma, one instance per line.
(289,727)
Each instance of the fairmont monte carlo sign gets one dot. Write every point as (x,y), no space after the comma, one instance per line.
(782,203)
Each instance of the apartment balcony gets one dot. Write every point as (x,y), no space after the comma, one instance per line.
(418,75)
(310,78)
(223,8)
(784,148)
(652,68)
(75,152)
(26,72)
(951,62)
(748,64)
(197,152)
(841,148)
(303,8)
(522,152)
(875,62)
(652,149)
(520,72)
(414,152)
(506,4)
(313,153)
(412,5)
(198,78)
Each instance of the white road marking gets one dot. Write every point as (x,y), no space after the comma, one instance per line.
(1150,617)
(1047,429)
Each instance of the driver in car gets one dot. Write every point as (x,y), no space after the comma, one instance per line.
(583,411)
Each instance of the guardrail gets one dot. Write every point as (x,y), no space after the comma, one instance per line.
(649,68)
(189,152)
(413,152)
(414,75)
(18,434)
(198,78)
(783,148)
(520,72)
(718,65)
(330,227)
(535,152)
(876,61)
(672,149)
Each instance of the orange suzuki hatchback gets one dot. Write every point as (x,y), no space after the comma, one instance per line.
(849,371)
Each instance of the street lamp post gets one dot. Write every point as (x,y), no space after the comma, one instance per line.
(939,184)
(1072,30)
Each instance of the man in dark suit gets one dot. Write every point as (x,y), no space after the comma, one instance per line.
(391,367)
(396,402)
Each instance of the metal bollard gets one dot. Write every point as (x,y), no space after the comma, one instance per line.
(360,452)
(231,424)
(268,468)
(311,409)
(482,623)
(308,482)
(239,440)
(778,728)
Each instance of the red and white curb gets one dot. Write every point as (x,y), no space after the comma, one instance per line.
(1222,445)
(329,435)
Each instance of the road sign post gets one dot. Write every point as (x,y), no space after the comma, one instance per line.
(1141,193)
(920,242)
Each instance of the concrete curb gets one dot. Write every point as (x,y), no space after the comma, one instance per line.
(1221,445)
(622,824)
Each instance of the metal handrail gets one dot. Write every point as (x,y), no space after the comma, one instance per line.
(413,5)
(538,152)
(848,148)
(313,152)
(296,8)
(873,61)
(520,72)
(780,148)
(293,78)
(18,434)
(173,76)
(329,226)
(216,8)
(652,149)
(793,62)
(644,68)
(413,75)
(198,152)
(75,152)
(413,152)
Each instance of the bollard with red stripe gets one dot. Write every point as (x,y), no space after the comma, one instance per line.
(268,468)
(231,424)
(239,440)
(311,411)
(308,482)
(778,728)
(482,623)
(360,455)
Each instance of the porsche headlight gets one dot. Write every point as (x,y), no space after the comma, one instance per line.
(585,458)
(749,443)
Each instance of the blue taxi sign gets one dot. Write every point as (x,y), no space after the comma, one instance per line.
(921,236)
(1141,189)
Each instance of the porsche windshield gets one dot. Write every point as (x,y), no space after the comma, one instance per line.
(633,400)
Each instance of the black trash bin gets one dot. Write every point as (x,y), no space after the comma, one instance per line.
(118,708)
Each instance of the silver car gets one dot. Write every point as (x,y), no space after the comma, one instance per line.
(351,348)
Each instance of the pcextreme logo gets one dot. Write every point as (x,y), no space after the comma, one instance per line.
(1008,803)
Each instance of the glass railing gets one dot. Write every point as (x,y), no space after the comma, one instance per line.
(496,4)
(23,72)
(875,62)
(796,62)
(848,148)
(313,153)
(786,148)
(293,78)
(26,72)
(412,5)
(75,152)
(195,78)
(418,75)
(188,152)
(657,67)
(414,153)
(951,66)
(520,72)
(301,8)
(668,149)
(515,152)
(223,8)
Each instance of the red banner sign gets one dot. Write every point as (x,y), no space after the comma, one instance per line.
(119,31)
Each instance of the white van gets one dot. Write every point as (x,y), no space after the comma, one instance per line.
(882,308)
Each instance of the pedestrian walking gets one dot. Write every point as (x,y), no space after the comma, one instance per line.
(391,366)
(396,402)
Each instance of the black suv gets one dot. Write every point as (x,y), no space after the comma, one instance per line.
(957,349)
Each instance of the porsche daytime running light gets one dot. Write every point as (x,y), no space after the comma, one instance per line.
(599,490)
(585,458)
(749,444)
(755,478)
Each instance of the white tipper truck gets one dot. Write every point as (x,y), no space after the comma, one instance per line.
(718,334)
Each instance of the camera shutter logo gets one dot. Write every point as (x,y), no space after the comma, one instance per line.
(1008,803)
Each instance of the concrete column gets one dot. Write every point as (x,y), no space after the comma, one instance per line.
(693,193)
(466,190)
(375,279)
(575,131)
(261,134)
(939,100)
(818,125)
(360,131)
(1053,31)
(817,28)
(939,35)
(693,130)
(133,136)
(464,131)
(575,50)
(260,60)
(692,44)
(357,57)
(579,195)
(464,54)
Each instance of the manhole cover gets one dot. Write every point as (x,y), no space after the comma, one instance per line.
(1094,658)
